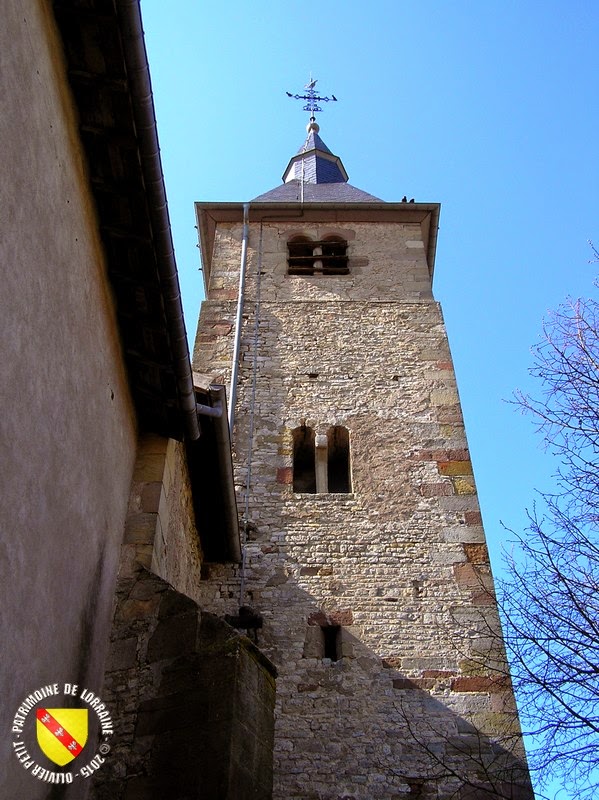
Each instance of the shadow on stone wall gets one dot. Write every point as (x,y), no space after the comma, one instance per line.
(191,698)
(359,728)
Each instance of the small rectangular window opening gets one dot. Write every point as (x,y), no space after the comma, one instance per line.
(338,456)
(332,641)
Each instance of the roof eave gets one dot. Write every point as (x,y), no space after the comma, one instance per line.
(425,214)
(119,138)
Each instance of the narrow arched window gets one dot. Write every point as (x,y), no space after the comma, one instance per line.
(304,464)
(334,256)
(301,256)
(339,473)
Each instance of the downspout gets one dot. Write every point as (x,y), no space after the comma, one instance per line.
(240,299)
(224,466)
(138,76)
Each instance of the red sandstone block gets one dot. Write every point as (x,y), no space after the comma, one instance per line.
(436,489)
(458,455)
(473,518)
(449,414)
(424,455)
(483,599)
(478,684)
(434,455)
(444,365)
(343,616)
(285,475)
(392,662)
(223,294)
(467,575)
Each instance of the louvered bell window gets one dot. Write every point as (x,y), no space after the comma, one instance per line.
(327,257)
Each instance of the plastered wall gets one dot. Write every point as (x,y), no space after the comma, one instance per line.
(67,430)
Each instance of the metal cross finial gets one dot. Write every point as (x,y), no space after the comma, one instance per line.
(312,97)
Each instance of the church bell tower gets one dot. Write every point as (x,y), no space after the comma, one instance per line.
(364,576)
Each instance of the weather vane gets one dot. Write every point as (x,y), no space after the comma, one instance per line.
(312,97)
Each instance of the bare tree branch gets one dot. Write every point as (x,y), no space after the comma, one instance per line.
(550,601)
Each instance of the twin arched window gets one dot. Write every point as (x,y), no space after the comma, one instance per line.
(328,256)
(321,463)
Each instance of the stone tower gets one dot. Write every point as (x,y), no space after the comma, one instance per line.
(364,557)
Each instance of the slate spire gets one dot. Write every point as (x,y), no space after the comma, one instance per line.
(314,162)
(315,174)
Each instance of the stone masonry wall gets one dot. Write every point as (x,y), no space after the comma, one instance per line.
(192,702)
(419,703)
(160,530)
(192,699)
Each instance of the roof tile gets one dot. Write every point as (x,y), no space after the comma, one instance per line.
(316,193)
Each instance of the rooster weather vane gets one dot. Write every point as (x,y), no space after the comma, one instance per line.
(312,97)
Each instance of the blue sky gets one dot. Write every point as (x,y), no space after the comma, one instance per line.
(489,108)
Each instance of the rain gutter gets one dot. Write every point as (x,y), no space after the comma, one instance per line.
(225,469)
(140,87)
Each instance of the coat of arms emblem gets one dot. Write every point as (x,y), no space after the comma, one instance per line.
(62,733)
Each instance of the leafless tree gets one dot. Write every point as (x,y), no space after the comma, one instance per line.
(550,599)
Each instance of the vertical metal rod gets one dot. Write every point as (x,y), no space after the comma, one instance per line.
(251,415)
(238,320)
